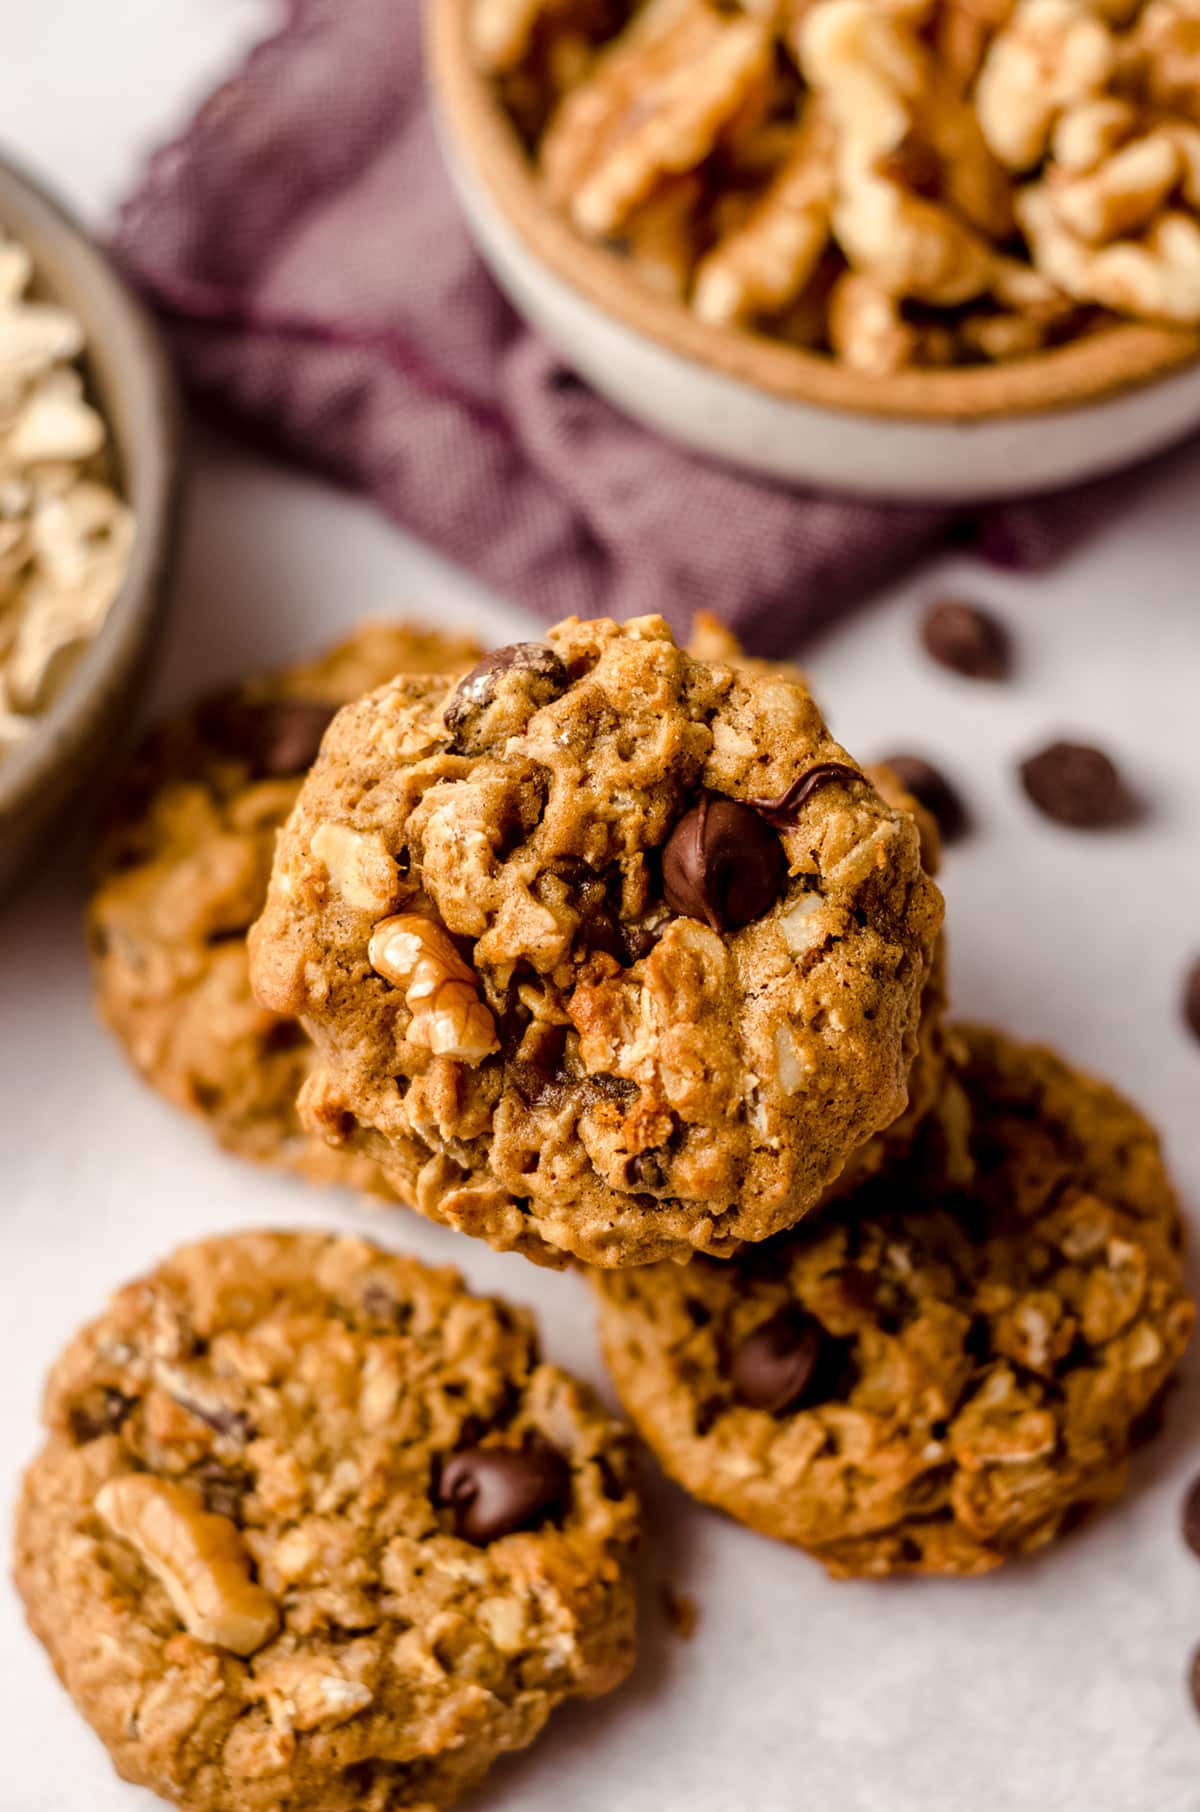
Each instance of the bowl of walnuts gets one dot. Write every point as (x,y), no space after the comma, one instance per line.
(918,249)
(89,481)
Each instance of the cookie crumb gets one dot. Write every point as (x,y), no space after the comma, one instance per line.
(681,1611)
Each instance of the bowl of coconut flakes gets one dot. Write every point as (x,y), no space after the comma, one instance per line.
(89,485)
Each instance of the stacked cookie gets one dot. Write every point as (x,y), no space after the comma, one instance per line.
(605,952)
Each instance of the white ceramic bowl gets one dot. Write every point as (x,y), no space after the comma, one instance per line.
(957,436)
(128,374)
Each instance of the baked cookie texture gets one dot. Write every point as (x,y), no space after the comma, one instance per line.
(607,951)
(711,640)
(949,1367)
(181,873)
(315,1528)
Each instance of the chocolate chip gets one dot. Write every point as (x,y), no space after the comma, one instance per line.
(276,740)
(1191,1517)
(1076,785)
(1194,1679)
(722,864)
(930,788)
(526,675)
(222,1489)
(774,1366)
(101,1412)
(495,1491)
(234,1424)
(1191,999)
(966,639)
(785,810)
(648,1169)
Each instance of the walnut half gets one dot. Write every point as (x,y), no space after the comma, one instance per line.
(441,992)
(200,1559)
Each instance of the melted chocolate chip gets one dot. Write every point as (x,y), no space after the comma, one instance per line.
(276,740)
(222,1489)
(722,864)
(1191,1000)
(101,1412)
(234,1424)
(648,1169)
(1076,785)
(494,1491)
(775,1365)
(528,669)
(784,811)
(930,788)
(966,639)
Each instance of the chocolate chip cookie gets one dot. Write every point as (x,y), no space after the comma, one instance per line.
(182,873)
(712,641)
(941,1372)
(607,950)
(316,1528)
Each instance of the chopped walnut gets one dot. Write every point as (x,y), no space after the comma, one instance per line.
(359,866)
(743,156)
(200,1559)
(655,105)
(441,991)
(65,535)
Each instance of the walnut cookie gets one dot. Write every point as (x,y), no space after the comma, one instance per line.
(606,950)
(942,1373)
(315,1527)
(182,872)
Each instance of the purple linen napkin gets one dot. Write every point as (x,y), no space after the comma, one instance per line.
(302,246)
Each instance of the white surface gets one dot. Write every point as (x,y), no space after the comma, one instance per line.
(1057,1686)
(946,462)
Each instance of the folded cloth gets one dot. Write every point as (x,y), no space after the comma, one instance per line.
(302,246)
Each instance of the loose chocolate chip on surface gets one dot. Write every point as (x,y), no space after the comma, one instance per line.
(722,863)
(930,788)
(1191,1517)
(785,810)
(531,668)
(495,1491)
(1076,785)
(1191,999)
(295,727)
(276,740)
(774,1366)
(966,639)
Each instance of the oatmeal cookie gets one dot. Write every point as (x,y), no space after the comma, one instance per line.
(182,872)
(712,641)
(316,1528)
(606,950)
(940,1373)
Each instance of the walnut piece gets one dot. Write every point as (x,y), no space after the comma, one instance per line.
(359,866)
(441,991)
(200,1560)
(654,106)
(898,183)
(65,534)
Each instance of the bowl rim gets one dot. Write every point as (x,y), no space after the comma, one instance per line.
(134,345)
(1076,375)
